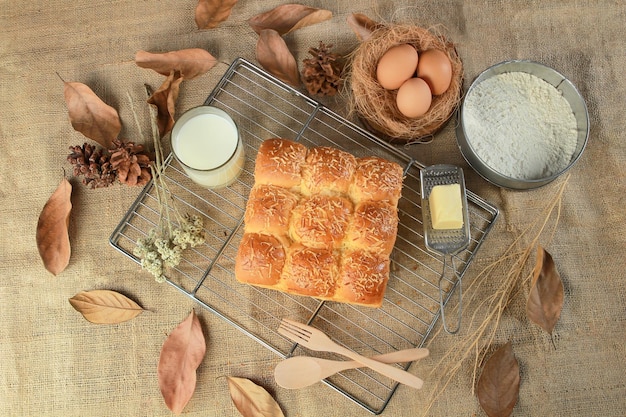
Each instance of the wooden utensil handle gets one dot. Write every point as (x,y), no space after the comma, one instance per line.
(390,371)
(405,355)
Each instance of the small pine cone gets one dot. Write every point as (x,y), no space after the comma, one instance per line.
(322,73)
(79,158)
(102,173)
(89,162)
(131,162)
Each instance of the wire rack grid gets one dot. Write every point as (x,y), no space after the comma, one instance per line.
(264,107)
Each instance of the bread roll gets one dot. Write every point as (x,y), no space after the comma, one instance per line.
(268,210)
(327,170)
(374,227)
(320,223)
(363,277)
(310,271)
(260,259)
(376,179)
(279,162)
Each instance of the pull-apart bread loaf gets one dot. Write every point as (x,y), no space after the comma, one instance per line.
(320,222)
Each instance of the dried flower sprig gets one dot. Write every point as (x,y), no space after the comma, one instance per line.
(174,232)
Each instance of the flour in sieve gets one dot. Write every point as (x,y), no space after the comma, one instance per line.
(520,126)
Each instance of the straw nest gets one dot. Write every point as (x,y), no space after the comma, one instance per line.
(376,107)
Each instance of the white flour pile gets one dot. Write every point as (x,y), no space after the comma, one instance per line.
(520,126)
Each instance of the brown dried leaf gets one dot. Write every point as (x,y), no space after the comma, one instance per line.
(288,17)
(498,386)
(210,13)
(251,399)
(105,306)
(164,99)
(545,300)
(362,26)
(90,115)
(190,62)
(274,55)
(53,240)
(181,354)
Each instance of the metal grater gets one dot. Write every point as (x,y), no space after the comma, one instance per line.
(445,242)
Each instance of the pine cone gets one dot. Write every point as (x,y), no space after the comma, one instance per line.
(131,162)
(322,73)
(79,158)
(90,163)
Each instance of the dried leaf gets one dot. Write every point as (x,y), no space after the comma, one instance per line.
(498,386)
(251,399)
(545,300)
(90,115)
(190,62)
(181,354)
(210,13)
(288,17)
(53,240)
(164,99)
(362,26)
(105,306)
(274,55)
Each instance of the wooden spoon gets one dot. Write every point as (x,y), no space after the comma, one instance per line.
(302,371)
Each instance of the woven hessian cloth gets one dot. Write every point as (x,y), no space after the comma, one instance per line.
(54,363)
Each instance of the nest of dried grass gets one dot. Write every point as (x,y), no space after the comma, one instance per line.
(376,107)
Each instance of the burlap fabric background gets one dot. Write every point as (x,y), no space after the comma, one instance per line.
(53,362)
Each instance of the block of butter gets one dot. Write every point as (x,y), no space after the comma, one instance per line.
(446,206)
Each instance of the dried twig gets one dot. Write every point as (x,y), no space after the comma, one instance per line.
(488,313)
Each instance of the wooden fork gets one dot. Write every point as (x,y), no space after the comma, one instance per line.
(315,339)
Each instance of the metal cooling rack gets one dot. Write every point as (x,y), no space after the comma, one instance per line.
(264,107)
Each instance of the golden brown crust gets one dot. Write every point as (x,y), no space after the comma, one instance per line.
(374,227)
(269,209)
(279,162)
(311,272)
(321,221)
(260,259)
(327,170)
(376,179)
(363,277)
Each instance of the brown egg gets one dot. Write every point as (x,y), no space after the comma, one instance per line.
(414,97)
(396,66)
(436,69)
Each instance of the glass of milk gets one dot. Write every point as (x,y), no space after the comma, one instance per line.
(207,144)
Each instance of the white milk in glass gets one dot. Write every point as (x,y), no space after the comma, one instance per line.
(206,142)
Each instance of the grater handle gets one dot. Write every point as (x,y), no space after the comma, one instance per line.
(441,303)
